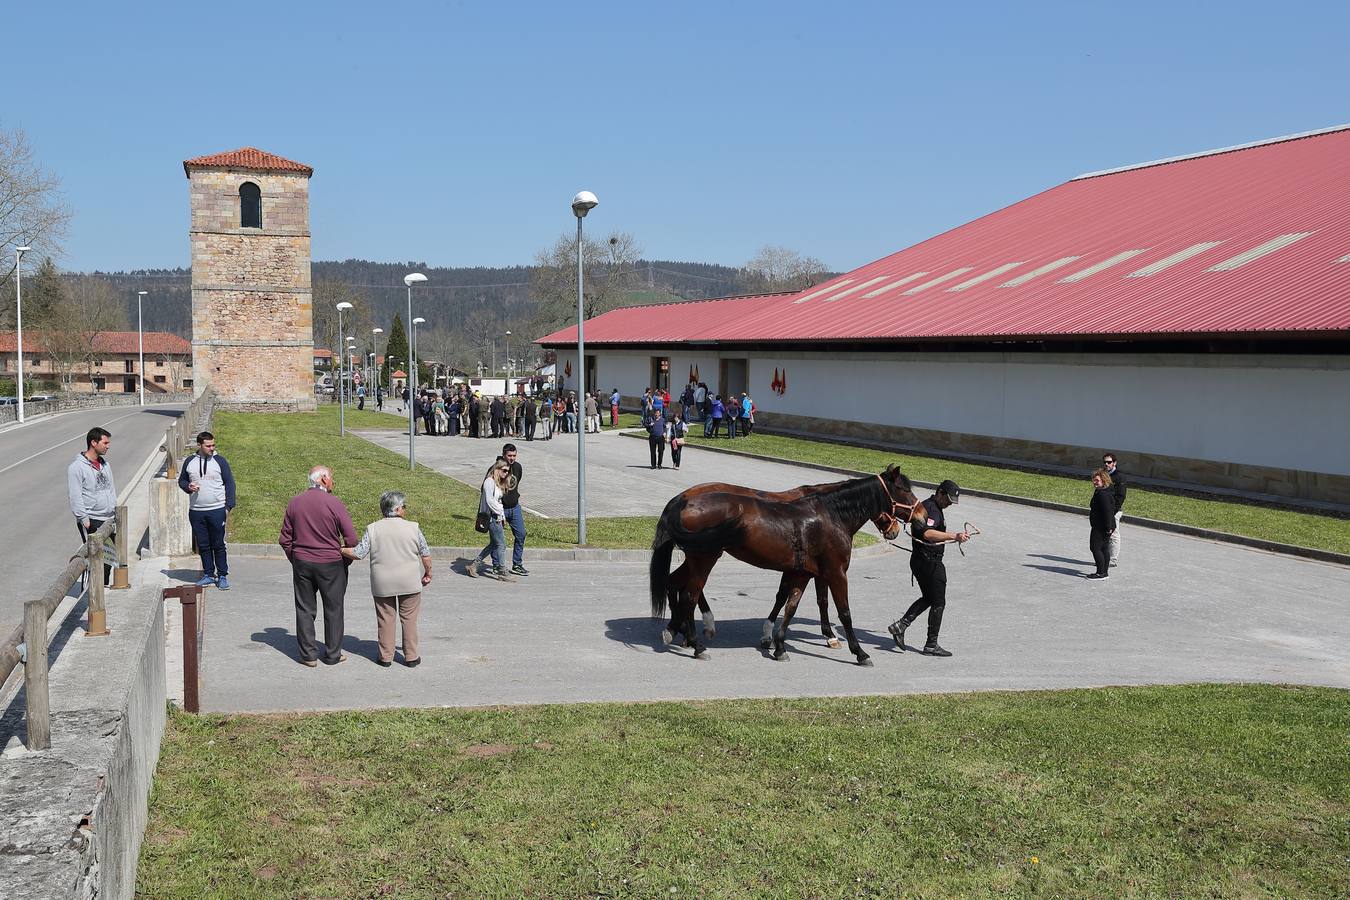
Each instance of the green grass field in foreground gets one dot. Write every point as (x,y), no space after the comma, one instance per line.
(271,455)
(1247,519)
(1215,791)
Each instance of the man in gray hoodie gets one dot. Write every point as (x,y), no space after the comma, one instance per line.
(90,488)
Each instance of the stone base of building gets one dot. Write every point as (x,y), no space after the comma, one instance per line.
(273,406)
(1173,471)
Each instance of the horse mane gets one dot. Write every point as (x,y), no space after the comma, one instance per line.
(854,499)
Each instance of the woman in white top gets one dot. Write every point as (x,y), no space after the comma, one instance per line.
(490,503)
(400,566)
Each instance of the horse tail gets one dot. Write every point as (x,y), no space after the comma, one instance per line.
(663,547)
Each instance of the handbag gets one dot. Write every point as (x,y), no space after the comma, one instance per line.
(480,524)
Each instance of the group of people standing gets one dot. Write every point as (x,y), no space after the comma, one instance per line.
(458,410)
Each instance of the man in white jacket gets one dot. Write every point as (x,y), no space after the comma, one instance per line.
(90,488)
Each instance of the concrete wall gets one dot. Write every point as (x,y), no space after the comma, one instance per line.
(1258,423)
(252,325)
(86,401)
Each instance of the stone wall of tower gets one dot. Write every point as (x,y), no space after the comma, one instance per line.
(252,326)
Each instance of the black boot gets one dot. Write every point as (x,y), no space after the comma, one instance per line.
(897,630)
(931,647)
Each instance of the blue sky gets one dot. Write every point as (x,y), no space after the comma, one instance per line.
(457,133)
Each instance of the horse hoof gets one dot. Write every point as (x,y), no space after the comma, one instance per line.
(701,654)
(666,636)
(781,656)
(865,661)
(833,643)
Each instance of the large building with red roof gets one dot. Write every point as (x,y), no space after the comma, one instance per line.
(1191,313)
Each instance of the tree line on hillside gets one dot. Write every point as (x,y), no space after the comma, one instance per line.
(478,319)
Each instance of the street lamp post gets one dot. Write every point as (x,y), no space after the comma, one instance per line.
(582,203)
(376,361)
(416,323)
(410,279)
(18,316)
(342,381)
(508,359)
(140,342)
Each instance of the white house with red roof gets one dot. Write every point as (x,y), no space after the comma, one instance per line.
(1191,314)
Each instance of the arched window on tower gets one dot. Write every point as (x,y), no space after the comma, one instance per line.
(250,205)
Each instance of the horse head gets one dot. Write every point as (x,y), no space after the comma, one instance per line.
(900,493)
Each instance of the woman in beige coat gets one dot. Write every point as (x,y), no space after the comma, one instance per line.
(400,566)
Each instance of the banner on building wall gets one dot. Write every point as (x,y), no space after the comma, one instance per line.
(779,383)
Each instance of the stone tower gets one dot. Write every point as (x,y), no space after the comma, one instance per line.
(252,326)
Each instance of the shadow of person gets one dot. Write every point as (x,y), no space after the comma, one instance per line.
(1065,559)
(1058,570)
(363,647)
(190,576)
(281,639)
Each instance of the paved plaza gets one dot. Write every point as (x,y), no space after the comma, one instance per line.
(1020,615)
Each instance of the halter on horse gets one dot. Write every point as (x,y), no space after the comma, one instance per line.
(809,537)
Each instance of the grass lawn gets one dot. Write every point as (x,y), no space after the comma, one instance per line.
(271,455)
(1215,791)
(1250,520)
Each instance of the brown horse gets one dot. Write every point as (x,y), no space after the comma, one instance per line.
(885,523)
(810,537)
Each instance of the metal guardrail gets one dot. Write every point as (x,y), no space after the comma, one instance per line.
(27,644)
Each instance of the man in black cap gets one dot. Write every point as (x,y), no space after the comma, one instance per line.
(927,566)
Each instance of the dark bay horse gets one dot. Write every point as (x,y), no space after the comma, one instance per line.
(809,537)
(885,523)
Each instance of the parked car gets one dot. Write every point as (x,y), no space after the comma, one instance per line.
(9,401)
(38,398)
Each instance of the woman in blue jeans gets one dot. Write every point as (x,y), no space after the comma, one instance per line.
(490,502)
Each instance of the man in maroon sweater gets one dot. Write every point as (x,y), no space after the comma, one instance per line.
(316,528)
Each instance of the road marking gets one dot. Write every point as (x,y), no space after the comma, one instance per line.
(57,446)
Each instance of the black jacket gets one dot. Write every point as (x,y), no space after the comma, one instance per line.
(1118,488)
(1102,512)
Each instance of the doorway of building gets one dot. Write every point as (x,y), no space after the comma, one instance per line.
(591,384)
(735,377)
(661,373)
(129,385)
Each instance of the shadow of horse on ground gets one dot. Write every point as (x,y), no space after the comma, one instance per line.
(644,633)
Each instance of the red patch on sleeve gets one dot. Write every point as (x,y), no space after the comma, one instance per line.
(931,523)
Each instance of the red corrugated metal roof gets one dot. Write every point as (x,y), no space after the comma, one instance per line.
(247,158)
(1237,200)
(105,342)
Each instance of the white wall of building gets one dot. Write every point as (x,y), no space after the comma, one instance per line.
(1290,412)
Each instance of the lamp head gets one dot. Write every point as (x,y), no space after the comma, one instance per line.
(419,321)
(377,331)
(414,278)
(583,203)
(344,305)
(22,250)
(141,293)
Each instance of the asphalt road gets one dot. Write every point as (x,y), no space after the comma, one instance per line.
(37,531)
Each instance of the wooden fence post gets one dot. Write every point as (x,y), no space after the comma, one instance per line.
(37,712)
(121,577)
(98,617)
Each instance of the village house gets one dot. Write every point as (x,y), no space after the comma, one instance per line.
(109,363)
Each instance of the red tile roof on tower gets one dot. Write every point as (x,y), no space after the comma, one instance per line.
(1244,241)
(246,158)
(158,342)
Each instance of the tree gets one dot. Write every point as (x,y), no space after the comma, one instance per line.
(326,295)
(397,348)
(44,293)
(85,309)
(781,269)
(31,209)
(610,271)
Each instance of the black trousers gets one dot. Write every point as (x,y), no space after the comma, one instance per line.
(95,525)
(529,429)
(657,446)
(931,574)
(329,580)
(675,451)
(1099,542)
